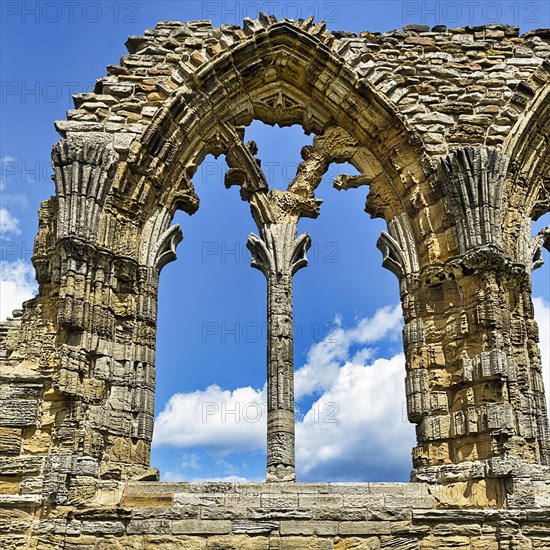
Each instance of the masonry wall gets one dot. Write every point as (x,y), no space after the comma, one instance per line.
(366,516)
(449,129)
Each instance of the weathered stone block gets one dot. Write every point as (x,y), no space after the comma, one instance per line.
(300,543)
(10,485)
(103,527)
(399,543)
(340,513)
(147,500)
(249,527)
(279,501)
(121,543)
(364,528)
(145,526)
(354,543)
(363,501)
(10,441)
(224,512)
(203,527)
(36,441)
(18,412)
(22,465)
(244,542)
(190,499)
(18,542)
(484,543)
(451,529)
(435,543)
(310,527)
(280,513)
(173,542)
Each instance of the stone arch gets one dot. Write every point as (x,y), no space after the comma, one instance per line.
(315,89)
(528,186)
(281,73)
(351,122)
(126,163)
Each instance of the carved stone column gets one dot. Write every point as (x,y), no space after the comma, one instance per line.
(474,380)
(99,282)
(278,254)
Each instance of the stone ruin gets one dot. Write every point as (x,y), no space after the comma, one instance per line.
(450,132)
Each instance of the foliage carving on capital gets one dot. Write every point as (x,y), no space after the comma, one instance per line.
(279,253)
(84,169)
(536,244)
(166,248)
(400,255)
(473,180)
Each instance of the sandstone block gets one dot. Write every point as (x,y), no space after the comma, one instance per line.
(233,541)
(10,441)
(364,528)
(18,412)
(311,527)
(249,527)
(173,542)
(197,526)
(353,543)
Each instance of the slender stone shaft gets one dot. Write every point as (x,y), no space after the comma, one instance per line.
(279,254)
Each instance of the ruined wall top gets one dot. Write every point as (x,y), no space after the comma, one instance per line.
(454,86)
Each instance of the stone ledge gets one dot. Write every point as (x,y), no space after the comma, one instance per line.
(20,500)
(336,516)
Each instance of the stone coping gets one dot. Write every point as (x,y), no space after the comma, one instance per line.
(378,487)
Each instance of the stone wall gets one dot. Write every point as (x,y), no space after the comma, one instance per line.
(450,131)
(259,516)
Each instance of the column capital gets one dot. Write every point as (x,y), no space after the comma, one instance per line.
(278,252)
(472,179)
(84,170)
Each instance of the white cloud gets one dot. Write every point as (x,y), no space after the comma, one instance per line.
(8,223)
(200,466)
(542,316)
(353,430)
(216,419)
(228,479)
(172,476)
(325,358)
(17,284)
(356,429)
(190,460)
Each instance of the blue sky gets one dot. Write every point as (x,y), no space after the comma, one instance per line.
(211,330)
